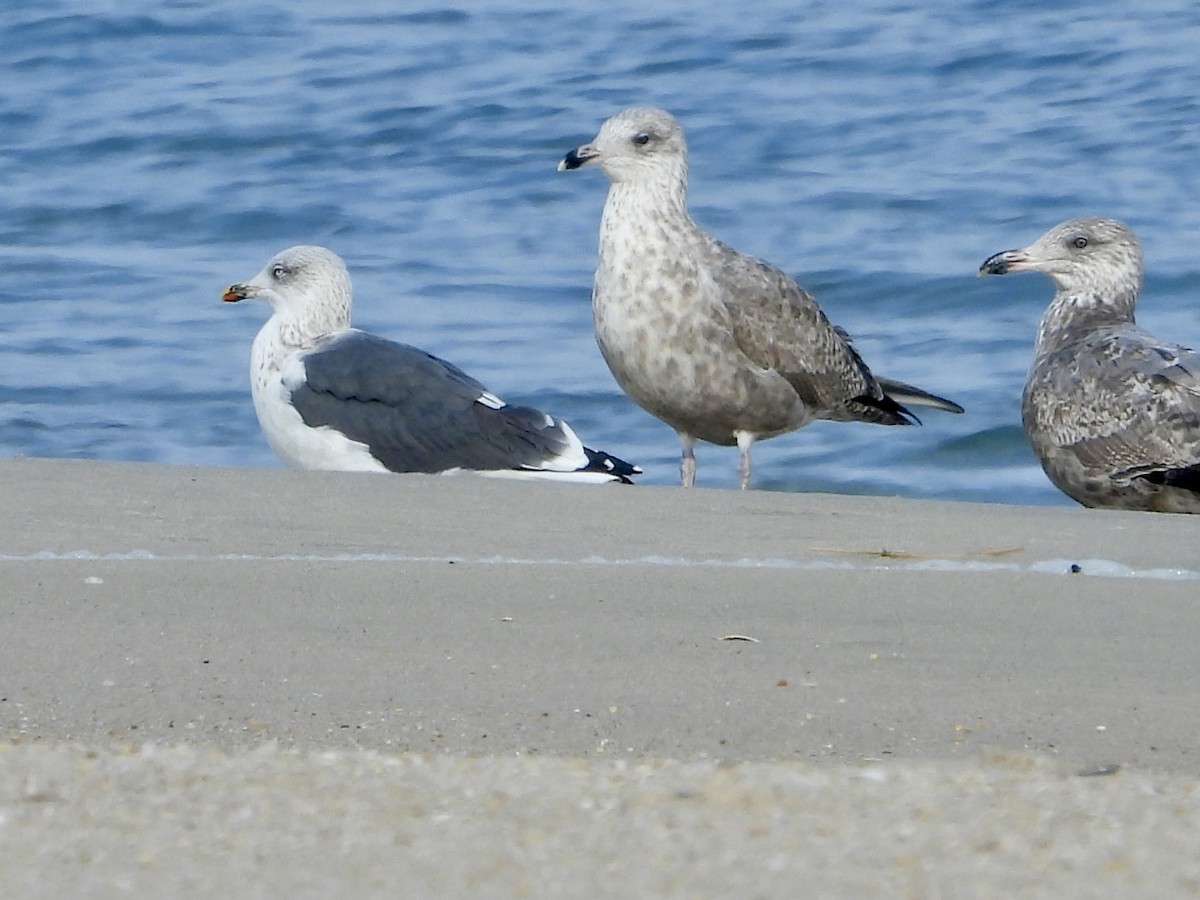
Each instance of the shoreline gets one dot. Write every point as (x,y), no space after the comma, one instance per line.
(299,606)
(270,655)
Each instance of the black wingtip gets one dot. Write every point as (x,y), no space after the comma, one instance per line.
(1187,478)
(902,392)
(599,461)
(886,411)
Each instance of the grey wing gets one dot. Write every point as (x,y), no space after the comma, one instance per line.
(1122,402)
(418,413)
(778,325)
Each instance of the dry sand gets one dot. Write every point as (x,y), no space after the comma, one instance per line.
(279,683)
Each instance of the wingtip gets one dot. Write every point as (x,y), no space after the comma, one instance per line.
(619,469)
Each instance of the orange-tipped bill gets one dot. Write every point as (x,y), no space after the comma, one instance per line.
(236,292)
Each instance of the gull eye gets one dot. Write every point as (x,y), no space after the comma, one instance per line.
(278,272)
(1080,242)
(641,139)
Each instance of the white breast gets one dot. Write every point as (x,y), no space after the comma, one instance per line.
(271,365)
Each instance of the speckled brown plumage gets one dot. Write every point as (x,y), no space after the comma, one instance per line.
(721,346)
(1112,412)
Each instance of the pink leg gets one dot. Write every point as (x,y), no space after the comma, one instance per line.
(744,441)
(687,462)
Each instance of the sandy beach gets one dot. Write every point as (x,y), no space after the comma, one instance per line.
(283,683)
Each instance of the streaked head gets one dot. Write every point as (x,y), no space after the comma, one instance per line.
(1091,254)
(639,143)
(302,281)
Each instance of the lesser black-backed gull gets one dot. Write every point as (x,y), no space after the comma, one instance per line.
(331,397)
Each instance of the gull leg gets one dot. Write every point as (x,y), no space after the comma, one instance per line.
(687,462)
(744,441)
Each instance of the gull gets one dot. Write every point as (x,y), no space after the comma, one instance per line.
(332,397)
(1112,412)
(721,346)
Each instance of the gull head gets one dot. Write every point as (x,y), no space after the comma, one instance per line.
(304,281)
(638,144)
(1088,255)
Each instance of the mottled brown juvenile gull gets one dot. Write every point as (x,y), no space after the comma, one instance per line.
(1112,412)
(331,397)
(722,347)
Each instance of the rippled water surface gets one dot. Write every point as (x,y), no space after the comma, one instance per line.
(154,152)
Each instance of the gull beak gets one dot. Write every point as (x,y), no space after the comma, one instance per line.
(236,292)
(578,157)
(1003,263)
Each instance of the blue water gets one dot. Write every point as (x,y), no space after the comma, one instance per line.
(154,152)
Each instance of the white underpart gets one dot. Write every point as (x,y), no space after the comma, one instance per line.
(274,371)
(535,475)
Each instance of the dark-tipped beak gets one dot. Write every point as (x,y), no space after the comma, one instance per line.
(236,292)
(1003,263)
(580,156)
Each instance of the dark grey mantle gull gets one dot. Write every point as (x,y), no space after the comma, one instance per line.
(722,347)
(331,397)
(1112,412)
